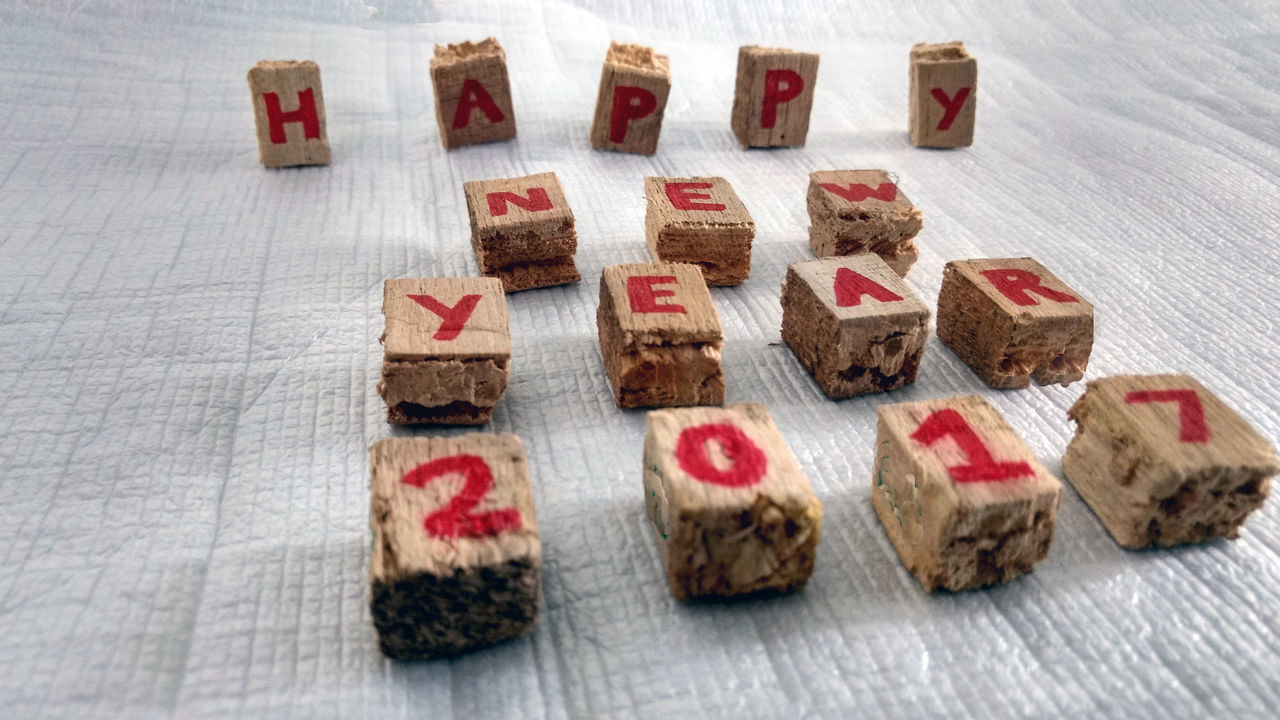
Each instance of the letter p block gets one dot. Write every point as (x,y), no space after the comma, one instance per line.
(773,96)
(633,96)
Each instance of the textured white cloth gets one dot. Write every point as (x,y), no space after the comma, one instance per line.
(188,353)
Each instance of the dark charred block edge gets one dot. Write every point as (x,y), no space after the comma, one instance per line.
(455,413)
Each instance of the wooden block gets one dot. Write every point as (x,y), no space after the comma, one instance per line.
(699,220)
(944,95)
(773,96)
(660,336)
(1162,461)
(732,511)
(853,324)
(457,562)
(633,96)
(862,211)
(963,500)
(446,350)
(522,231)
(1010,318)
(473,94)
(288,110)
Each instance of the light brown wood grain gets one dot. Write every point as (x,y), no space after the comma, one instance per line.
(411,328)
(524,248)
(791,125)
(634,66)
(486,63)
(841,225)
(947,67)
(287,78)
(716,237)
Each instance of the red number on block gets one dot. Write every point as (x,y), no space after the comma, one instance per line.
(1192,427)
(456,520)
(748,462)
(982,467)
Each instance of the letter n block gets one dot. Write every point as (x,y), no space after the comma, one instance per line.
(473,94)
(1011,319)
(1162,461)
(853,324)
(446,350)
(457,562)
(633,96)
(773,96)
(944,95)
(862,211)
(963,500)
(522,231)
(699,220)
(288,109)
(732,511)
(660,336)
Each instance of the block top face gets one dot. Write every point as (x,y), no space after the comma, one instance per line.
(850,193)
(852,287)
(696,203)
(468,54)
(637,59)
(1022,287)
(760,51)
(662,303)
(516,204)
(445,503)
(953,52)
(443,318)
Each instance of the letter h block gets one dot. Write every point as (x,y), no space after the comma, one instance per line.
(963,500)
(633,96)
(773,96)
(731,509)
(522,231)
(473,94)
(699,220)
(944,95)
(288,110)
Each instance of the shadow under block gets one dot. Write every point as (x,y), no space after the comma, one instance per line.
(854,324)
(634,86)
(962,498)
(701,221)
(1162,461)
(288,111)
(731,509)
(446,350)
(522,231)
(660,336)
(456,561)
(1011,319)
(862,211)
(944,95)
(473,94)
(773,96)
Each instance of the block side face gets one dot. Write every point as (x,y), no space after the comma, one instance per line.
(723,254)
(290,82)
(481,82)
(811,331)
(525,213)
(647,315)
(976,330)
(706,203)
(934,83)
(780,118)
(638,126)
(433,383)
(534,274)
(416,329)
(899,503)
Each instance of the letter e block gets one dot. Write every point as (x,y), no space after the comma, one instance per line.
(944,95)
(862,211)
(288,110)
(773,96)
(473,94)
(732,511)
(633,96)
(699,220)
(522,231)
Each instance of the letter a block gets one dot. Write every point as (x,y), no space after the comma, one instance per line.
(522,231)
(660,336)
(732,511)
(1162,461)
(944,95)
(473,94)
(1011,319)
(446,350)
(633,96)
(853,324)
(699,220)
(457,563)
(773,96)
(963,500)
(862,211)
(288,109)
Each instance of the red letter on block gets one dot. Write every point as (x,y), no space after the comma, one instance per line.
(456,520)
(950,106)
(747,461)
(857,192)
(305,114)
(536,201)
(982,467)
(629,103)
(779,86)
(1192,427)
(1015,284)
(851,286)
(681,199)
(455,318)
(475,96)
(644,299)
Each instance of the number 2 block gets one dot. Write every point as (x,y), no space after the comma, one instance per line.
(963,500)
(732,511)
(944,95)
(1162,461)
(288,109)
(456,560)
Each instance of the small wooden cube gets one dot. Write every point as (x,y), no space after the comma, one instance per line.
(1162,461)
(660,336)
(963,500)
(473,94)
(456,561)
(1011,319)
(634,86)
(853,324)
(773,96)
(446,350)
(862,211)
(288,110)
(944,95)
(699,220)
(522,231)
(731,509)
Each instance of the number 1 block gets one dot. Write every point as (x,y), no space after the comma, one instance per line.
(963,500)
(699,220)
(288,109)
(473,94)
(1162,461)
(944,90)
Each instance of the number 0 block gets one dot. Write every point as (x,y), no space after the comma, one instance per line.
(522,231)
(944,90)
(1162,461)
(456,560)
(773,96)
(473,94)
(699,220)
(732,511)
(963,500)
(288,109)
(633,97)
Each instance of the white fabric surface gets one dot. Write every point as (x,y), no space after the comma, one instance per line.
(188,352)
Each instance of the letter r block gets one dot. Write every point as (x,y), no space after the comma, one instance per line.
(288,110)
(944,95)
(473,94)
(634,86)
(773,96)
